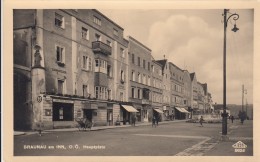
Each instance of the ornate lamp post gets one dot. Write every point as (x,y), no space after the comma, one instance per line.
(224,114)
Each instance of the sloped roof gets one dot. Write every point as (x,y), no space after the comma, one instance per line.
(162,62)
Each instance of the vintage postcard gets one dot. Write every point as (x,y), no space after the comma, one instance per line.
(113,81)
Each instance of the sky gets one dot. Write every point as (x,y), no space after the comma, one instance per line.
(193,40)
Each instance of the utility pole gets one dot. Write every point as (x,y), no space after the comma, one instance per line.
(243,97)
(224,114)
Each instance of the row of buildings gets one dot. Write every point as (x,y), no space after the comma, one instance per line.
(72,64)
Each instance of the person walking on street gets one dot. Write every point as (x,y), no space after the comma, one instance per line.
(157,119)
(232,118)
(201,121)
(133,120)
(153,121)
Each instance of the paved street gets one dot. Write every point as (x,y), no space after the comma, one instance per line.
(180,139)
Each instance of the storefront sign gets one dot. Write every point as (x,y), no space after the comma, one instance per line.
(63,101)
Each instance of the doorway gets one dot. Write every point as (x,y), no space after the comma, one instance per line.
(88,114)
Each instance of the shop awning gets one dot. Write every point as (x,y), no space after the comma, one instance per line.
(158,110)
(129,108)
(182,110)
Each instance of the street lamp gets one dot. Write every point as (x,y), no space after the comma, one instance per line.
(235,29)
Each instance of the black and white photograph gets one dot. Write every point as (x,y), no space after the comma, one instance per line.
(102,82)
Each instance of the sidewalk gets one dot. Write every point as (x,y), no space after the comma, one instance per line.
(236,132)
(16,133)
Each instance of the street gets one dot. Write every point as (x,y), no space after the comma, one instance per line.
(180,139)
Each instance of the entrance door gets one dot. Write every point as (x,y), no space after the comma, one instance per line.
(110,117)
(88,114)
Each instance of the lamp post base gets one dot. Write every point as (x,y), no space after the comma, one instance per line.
(224,138)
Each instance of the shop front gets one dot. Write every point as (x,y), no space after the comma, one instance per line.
(157,113)
(181,113)
(126,113)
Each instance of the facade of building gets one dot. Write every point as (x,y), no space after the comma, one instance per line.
(71,64)
(166,87)
(140,78)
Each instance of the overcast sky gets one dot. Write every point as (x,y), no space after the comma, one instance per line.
(193,40)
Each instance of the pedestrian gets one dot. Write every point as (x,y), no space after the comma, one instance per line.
(201,121)
(153,121)
(157,119)
(133,120)
(232,118)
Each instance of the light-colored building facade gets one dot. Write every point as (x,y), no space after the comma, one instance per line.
(71,64)
(79,66)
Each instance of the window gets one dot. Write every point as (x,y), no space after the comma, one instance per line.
(139,77)
(61,86)
(144,64)
(133,58)
(139,61)
(109,71)
(109,43)
(87,63)
(97,37)
(101,66)
(149,81)
(122,52)
(115,32)
(101,93)
(133,92)
(59,20)
(109,93)
(60,54)
(84,33)
(144,79)
(133,76)
(152,68)
(97,21)
(85,91)
(122,76)
(148,66)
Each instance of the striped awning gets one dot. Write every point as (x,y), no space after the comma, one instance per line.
(158,110)
(182,110)
(129,108)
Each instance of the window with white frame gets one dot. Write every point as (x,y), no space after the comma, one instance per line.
(85,33)
(60,54)
(61,86)
(122,76)
(144,79)
(87,63)
(101,66)
(97,20)
(139,78)
(101,93)
(59,20)
(133,76)
(122,52)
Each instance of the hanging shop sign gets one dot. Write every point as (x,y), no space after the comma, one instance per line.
(63,101)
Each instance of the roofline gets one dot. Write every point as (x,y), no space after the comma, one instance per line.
(108,19)
(175,66)
(130,37)
(157,63)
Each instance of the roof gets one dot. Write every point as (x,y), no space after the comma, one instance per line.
(162,62)
(192,75)
(141,44)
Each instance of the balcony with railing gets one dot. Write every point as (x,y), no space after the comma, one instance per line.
(100,47)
